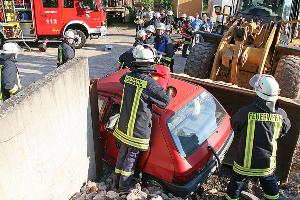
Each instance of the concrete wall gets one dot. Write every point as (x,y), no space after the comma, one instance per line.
(46,137)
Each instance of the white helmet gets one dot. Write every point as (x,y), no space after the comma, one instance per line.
(170,12)
(143,54)
(157,15)
(11,48)
(140,33)
(150,28)
(168,27)
(69,34)
(161,26)
(183,15)
(265,86)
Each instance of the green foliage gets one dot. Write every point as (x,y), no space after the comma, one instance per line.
(147,3)
(132,14)
(204,5)
(166,4)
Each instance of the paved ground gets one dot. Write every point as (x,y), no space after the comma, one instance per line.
(34,65)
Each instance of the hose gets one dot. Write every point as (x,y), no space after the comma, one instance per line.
(217,157)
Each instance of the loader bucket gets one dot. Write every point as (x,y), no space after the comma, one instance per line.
(233,98)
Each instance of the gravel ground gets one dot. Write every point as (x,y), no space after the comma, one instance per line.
(33,65)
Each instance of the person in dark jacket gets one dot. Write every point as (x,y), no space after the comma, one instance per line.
(66,51)
(9,76)
(125,60)
(164,46)
(140,38)
(187,34)
(150,31)
(258,125)
(133,129)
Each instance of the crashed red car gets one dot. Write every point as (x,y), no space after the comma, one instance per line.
(188,137)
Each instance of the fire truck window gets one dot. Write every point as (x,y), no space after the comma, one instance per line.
(68,3)
(50,3)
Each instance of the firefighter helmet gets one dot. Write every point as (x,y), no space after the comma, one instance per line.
(170,12)
(143,54)
(161,26)
(265,86)
(157,15)
(140,34)
(10,48)
(150,28)
(69,34)
(168,27)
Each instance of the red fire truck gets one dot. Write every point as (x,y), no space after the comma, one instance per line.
(36,20)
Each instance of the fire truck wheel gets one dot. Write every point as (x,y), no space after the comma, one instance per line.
(80,39)
(288,76)
(200,60)
(1,41)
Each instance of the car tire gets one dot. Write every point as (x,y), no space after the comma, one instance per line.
(200,60)
(80,39)
(288,76)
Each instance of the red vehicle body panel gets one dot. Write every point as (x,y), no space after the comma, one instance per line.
(52,21)
(163,159)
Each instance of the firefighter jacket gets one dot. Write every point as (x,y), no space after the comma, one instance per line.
(150,40)
(258,128)
(187,33)
(169,20)
(9,79)
(65,52)
(126,59)
(139,93)
(164,44)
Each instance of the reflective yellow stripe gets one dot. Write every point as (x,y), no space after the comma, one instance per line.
(249,143)
(124,173)
(13,90)
(18,80)
(277,129)
(135,82)
(134,109)
(229,198)
(168,59)
(1,97)
(60,55)
(271,197)
(131,138)
(125,140)
(252,172)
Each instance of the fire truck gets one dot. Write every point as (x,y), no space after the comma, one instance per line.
(38,20)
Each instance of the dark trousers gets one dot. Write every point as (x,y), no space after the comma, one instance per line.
(187,45)
(268,184)
(126,162)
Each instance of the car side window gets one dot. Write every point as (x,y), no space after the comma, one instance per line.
(113,117)
(50,3)
(68,3)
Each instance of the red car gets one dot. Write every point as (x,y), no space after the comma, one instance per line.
(188,137)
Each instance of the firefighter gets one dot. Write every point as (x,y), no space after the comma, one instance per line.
(206,23)
(150,31)
(9,76)
(169,19)
(156,20)
(133,129)
(180,22)
(66,51)
(138,23)
(187,34)
(140,38)
(164,46)
(125,60)
(259,125)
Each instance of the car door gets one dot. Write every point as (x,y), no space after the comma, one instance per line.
(48,17)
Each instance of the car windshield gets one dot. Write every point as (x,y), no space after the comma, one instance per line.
(279,7)
(195,122)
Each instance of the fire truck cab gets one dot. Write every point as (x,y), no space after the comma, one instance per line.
(34,20)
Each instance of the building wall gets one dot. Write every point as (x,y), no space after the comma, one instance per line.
(190,7)
(46,137)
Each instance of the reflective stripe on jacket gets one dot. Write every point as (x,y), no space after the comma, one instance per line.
(139,93)
(259,130)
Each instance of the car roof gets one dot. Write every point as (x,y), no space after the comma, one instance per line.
(185,90)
